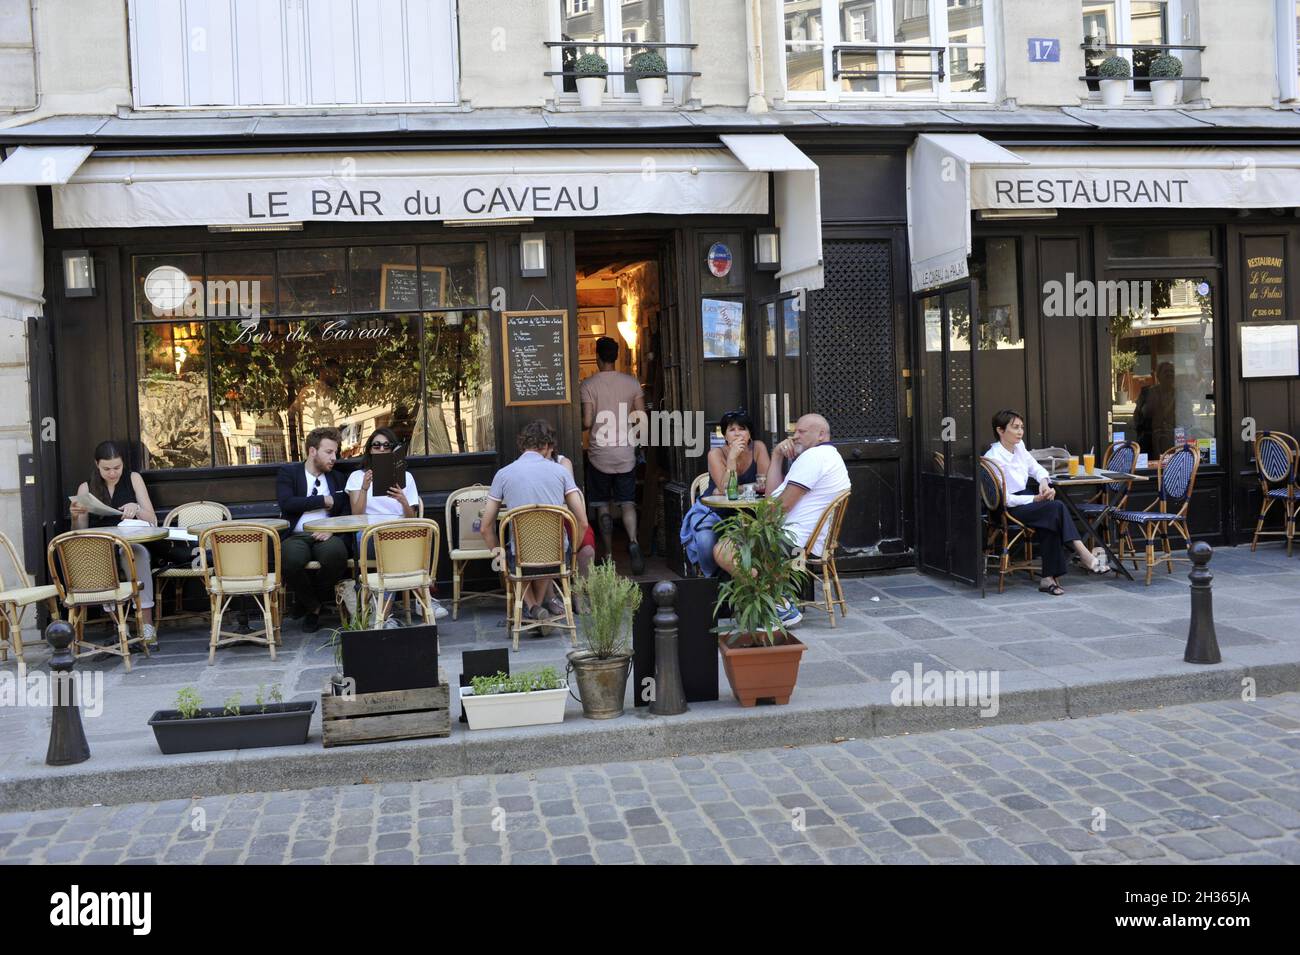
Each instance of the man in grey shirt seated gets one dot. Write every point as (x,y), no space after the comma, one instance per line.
(533,479)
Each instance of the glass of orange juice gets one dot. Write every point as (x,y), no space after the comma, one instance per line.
(1074,465)
(1090,463)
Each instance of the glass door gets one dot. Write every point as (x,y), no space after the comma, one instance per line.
(781,378)
(948,510)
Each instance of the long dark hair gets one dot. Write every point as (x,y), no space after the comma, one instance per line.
(107,451)
(378,433)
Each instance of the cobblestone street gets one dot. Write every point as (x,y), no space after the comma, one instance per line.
(1213,782)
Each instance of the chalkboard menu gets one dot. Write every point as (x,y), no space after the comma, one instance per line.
(536,357)
(1265,274)
(397,289)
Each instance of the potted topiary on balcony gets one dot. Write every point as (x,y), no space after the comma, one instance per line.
(651,77)
(1165,70)
(760,657)
(1115,73)
(591,69)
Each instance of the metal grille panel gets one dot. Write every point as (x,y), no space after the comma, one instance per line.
(851,332)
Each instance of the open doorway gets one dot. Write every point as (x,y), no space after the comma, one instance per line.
(624,293)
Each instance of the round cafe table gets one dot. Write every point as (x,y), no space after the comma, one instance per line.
(133,535)
(720,502)
(347,522)
(270,523)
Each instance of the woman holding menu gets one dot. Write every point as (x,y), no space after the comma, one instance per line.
(400,500)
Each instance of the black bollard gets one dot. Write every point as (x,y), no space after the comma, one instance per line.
(1202,643)
(67,739)
(669,698)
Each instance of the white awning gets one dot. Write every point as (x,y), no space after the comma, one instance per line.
(938,202)
(798,205)
(264,189)
(42,165)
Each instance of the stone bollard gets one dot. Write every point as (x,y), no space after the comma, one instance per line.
(669,698)
(1202,643)
(67,738)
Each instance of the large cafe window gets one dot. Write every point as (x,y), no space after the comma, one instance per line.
(240,354)
(845,50)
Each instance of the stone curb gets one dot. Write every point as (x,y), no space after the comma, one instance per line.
(859,712)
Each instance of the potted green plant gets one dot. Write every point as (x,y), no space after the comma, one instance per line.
(651,77)
(592,70)
(1165,70)
(760,657)
(1122,364)
(607,605)
(193,728)
(530,698)
(1115,72)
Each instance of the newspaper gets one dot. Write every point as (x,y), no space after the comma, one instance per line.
(94,505)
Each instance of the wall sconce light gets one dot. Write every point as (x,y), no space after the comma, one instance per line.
(78,273)
(627,331)
(767,250)
(532,255)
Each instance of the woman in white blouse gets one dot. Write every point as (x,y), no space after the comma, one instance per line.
(1037,507)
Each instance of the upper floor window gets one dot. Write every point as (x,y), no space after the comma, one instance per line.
(308,53)
(614,28)
(855,49)
(1133,29)
(1288,41)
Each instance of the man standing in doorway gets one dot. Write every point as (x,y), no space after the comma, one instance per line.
(608,399)
(310,491)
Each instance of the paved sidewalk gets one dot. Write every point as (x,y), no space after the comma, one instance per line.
(1108,645)
(1205,783)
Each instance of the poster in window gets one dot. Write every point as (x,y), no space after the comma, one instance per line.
(724,328)
(1270,351)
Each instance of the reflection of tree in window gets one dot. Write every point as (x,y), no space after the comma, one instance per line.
(172,393)
(457,367)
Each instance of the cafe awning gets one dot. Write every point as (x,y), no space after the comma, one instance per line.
(42,165)
(990,177)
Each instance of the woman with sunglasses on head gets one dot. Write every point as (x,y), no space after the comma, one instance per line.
(395,501)
(744,455)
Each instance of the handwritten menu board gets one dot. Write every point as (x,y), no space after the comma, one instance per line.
(536,357)
(397,288)
(1265,275)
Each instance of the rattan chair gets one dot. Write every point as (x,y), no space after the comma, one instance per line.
(406,558)
(1277,459)
(245,563)
(537,532)
(1113,496)
(181,517)
(473,499)
(699,486)
(1003,531)
(84,568)
(17,593)
(1175,480)
(823,567)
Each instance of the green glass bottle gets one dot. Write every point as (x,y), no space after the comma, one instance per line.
(733,487)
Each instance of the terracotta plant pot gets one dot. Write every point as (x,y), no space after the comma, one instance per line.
(761,672)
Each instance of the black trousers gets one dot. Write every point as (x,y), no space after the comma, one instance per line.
(296,551)
(1053,529)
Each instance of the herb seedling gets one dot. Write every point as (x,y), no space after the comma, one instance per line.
(188,703)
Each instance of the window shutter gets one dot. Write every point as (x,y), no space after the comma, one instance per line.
(431,50)
(210,52)
(331,53)
(158,37)
(260,36)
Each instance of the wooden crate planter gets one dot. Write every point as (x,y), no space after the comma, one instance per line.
(390,715)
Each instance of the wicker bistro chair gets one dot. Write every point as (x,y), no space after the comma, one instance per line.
(84,568)
(1113,496)
(463,502)
(17,593)
(1277,460)
(245,563)
(406,559)
(1004,532)
(1175,479)
(699,486)
(823,567)
(538,534)
(182,516)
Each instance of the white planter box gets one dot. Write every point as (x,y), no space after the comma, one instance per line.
(498,710)
(651,89)
(591,91)
(1113,92)
(1164,92)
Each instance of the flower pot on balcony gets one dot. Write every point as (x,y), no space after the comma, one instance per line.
(1164,92)
(651,89)
(591,91)
(1113,92)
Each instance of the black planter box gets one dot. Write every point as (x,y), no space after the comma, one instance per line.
(381,661)
(697,645)
(283,724)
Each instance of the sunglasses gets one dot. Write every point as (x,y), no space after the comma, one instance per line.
(380,445)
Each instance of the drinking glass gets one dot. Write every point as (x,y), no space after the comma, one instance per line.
(1090,463)
(1074,465)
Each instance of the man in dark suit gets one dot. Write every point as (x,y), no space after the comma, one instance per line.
(309,491)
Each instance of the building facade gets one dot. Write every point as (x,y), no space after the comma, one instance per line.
(306,212)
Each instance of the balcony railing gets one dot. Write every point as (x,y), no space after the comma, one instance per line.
(1149,51)
(570,50)
(838,72)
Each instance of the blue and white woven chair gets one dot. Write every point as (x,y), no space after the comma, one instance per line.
(1277,458)
(1004,532)
(1175,479)
(1113,496)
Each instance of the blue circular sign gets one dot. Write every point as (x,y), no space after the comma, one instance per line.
(719,260)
